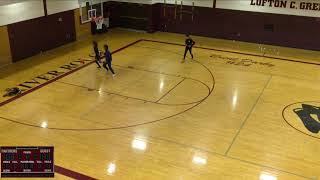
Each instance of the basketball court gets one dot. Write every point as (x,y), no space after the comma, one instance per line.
(223,115)
(236,111)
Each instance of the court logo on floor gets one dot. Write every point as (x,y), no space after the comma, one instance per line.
(241,61)
(304,117)
(46,77)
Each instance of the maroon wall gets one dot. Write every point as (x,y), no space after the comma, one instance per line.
(31,37)
(155,24)
(129,15)
(110,8)
(289,31)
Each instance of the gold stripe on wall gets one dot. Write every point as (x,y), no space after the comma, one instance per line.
(82,30)
(5,51)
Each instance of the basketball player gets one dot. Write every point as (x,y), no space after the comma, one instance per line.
(108,61)
(189,44)
(97,53)
(99,23)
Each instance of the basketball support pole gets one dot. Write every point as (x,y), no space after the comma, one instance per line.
(181,10)
(188,12)
(181,7)
(175,9)
(164,8)
(193,11)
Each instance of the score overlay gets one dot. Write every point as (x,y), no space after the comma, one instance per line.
(26,161)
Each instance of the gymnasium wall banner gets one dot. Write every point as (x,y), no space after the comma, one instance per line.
(198,3)
(309,8)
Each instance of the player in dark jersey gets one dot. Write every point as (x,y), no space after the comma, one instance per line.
(189,44)
(108,61)
(97,53)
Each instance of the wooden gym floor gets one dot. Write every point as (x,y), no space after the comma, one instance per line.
(228,114)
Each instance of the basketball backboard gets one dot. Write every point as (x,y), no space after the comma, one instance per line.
(90,9)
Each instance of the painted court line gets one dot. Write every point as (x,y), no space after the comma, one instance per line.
(76,175)
(59,77)
(58,169)
(242,53)
(72,174)
(260,165)
(225,155)
(42,85)
(210,90)
(247,117)
(170,90)
(106,92)
(222,155)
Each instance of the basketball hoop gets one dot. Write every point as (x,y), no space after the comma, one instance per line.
(90,10)
(92,14)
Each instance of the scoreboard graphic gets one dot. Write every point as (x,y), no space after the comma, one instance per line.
(27,161)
